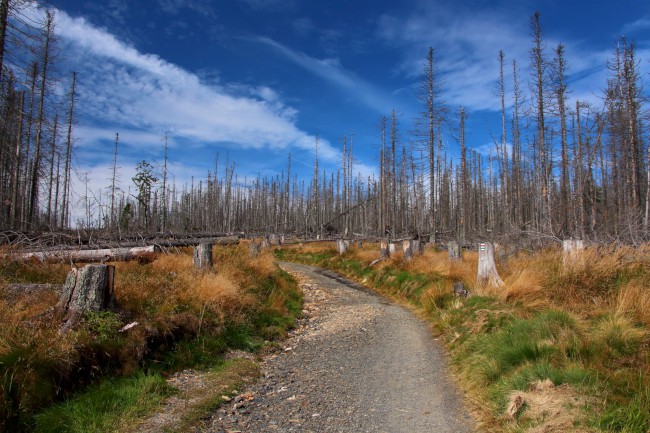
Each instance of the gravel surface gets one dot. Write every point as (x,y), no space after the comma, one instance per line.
(355,363)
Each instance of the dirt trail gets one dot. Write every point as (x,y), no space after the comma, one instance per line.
(355,363)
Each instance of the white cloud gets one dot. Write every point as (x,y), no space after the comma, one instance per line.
(333,72)
(467,45)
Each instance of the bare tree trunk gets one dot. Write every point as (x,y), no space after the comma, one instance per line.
(68,157)
(33,207)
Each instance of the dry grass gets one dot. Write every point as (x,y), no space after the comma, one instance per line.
(633,301)
(545,408)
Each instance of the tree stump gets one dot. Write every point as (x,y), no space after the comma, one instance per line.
(406,249)
(392,248)
(273,239)
(359,244)
(487,268)
(88,289)
(341,246)
(265,244)
(572,253)
(254,249)
(454,250)
(416,247)
(383,249)
(203,257)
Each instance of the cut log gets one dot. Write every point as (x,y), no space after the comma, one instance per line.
(203,257)
(572,250)
(487,269)
(15,291)
(88,289)
(454,250)
(383,249)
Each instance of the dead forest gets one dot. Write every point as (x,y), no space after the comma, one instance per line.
(559,168)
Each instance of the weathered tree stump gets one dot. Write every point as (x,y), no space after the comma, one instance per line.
(392,248)
(572,250)
(454,250)
(254,249)
(487,269)
(416,247)
(203,257)
(359,244)
(383,249)
(341,246)
(406,249)
(273,239)
(88,289)
(266,244)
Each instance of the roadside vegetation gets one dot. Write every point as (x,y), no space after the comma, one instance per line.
(100,378)
(554,349)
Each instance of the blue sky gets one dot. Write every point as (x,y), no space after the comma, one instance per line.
(254,80)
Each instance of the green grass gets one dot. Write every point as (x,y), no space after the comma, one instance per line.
(629,417)
(108,406)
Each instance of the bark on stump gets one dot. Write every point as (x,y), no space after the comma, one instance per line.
(572,253)
(454,250)
(383,249)
(487,268)
(88,289)
(203,257)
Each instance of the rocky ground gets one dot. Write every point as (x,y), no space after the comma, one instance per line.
(355,363)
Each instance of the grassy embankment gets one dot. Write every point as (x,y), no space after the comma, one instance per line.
(552,350)
(96,378)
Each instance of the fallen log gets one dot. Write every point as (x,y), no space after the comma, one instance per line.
(14,291)
(87,256)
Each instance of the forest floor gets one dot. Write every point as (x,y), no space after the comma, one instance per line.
(354,362)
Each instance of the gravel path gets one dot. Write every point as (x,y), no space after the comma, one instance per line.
(355,363)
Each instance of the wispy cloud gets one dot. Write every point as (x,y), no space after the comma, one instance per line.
(333,72)
(637,26)
(467,46)
(121,87)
